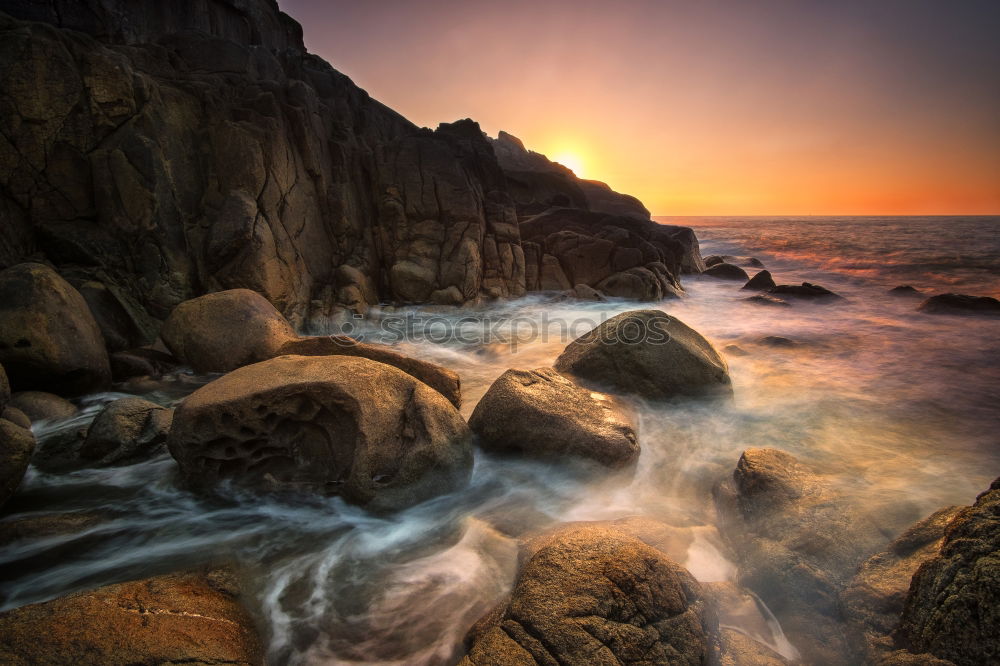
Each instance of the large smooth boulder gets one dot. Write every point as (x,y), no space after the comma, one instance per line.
(126,431)
(647,353)
(49,340)
(439,378)
(798,541)
(331,424)
(874,599)
(805,291)
(953,607)
(725,271)
(542,413)
(960,304)
(592,594)
(42,406)
(174,619)
(226,330)
(762,281)
(16,447)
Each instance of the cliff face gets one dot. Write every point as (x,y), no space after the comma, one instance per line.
(156,151)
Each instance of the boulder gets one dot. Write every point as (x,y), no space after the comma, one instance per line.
(141,362)
(725,271)
(952,610)
(4,389)
(762,281)
(331,424)
(735,350)
(592,594)
(127,430)
(777,341)
(33,526)
(49,340)
(806,291)
(441,379)
(715,259)
(226,330)
(647,353)
(585,293)
(874,599)
(960,304)
(16,447)
(174,619)
(768,300)
(541,413)
(41,406)
(17,417)
(798,542)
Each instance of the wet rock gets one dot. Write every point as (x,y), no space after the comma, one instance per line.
(735,350)
(806,291)
(441,379)
(126,431)
(647,353)
(777,341)
(767,300)
(41,406)
(738,649)
(715,259)
(49,340)
(592,594)
(180,618)
(798,542)
(749,645)
(226,330)
(953,607)
(17,417)
(16,447)
(725,271)
(904,290)
(141,362)
(874,599)
(584,293)
(762,281)
(541,413)
(960,304)
(331,424)
(32,527)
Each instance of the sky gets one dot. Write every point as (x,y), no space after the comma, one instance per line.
(704,107)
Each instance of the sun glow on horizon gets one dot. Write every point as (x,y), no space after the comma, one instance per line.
(571,161)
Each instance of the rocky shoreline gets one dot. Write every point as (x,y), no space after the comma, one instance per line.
(183,193)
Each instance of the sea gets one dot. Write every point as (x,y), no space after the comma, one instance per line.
(898,408)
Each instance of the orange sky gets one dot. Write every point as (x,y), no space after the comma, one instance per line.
(705,108)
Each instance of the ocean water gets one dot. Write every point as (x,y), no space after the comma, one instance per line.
(898,407)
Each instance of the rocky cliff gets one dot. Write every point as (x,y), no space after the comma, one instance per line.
(153,152)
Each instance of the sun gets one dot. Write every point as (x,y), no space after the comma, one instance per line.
(571,162)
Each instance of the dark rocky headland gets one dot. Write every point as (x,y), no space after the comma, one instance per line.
(187,193)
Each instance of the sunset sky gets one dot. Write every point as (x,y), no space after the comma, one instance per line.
(705,107)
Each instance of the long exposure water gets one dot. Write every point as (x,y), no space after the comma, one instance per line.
(900,407)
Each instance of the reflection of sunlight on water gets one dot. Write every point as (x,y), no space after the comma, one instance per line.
(898,407)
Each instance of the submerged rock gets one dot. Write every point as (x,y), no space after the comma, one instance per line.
(330,424)
(141,362)
(960,304)
(777,341)
(874,599)
(541,413)
(798,541)
(593,594)
(41,406)
(762,281)
(725,271)
(226,330)
(904,290)
(715,259)
(126,431)
(49,340)
(441,379)
(953,607)
(806,290)
(768,300)
(647,353)
(175,619)
(16,447)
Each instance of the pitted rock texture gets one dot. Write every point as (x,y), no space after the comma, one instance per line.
(594,595)
(330,424)
(542,413)
(174,619)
